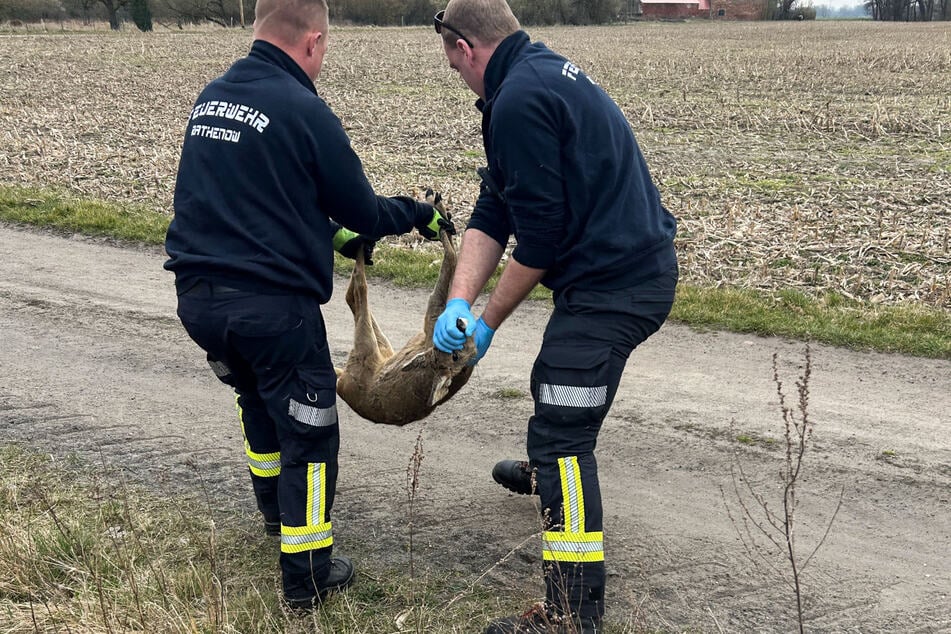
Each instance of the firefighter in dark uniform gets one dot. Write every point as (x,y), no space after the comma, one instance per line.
(566,178)
(266,175)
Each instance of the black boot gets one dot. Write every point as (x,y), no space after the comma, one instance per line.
(542,619)
(516,476)
(340,577)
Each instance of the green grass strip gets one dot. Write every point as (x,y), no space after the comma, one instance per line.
(830,319)
(55,210)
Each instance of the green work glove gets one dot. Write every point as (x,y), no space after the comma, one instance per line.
(430,225)
(348,244)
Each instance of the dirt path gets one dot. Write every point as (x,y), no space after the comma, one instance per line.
(93,360)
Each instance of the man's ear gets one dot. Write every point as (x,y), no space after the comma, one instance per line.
(313,39)
(465,48)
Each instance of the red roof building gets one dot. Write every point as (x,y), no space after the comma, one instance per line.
(715,9)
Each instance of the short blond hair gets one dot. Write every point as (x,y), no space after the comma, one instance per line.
(289,19)
(487,21)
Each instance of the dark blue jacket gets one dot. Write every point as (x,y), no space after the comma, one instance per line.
(265,165)
(573,187)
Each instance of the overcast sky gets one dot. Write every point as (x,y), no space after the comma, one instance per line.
(835,4)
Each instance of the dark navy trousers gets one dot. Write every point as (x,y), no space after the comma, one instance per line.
(272,349)
(586,345)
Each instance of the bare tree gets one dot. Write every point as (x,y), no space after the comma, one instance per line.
(220,12)
(112,10)
(81,8)
(907,10)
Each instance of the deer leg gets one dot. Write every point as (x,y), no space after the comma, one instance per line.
(366,333)
(437,299)
(382,343)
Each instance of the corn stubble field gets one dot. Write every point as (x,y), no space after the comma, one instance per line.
(814,156)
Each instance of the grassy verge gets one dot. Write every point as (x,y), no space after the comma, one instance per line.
(83,551)
(830,319)
(45,208)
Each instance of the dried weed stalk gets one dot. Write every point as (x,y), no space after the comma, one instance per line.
(764,531)
(412,489)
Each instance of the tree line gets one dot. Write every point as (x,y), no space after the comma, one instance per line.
(909,10)
(228,13)
(241,12)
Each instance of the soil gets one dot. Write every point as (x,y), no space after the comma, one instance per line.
(93,361)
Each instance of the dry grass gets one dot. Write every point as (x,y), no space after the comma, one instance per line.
(814,156)
(84,550)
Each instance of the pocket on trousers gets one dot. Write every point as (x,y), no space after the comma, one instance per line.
(317,384)
(313,397)
(264,324)
(272,344)
(570,383)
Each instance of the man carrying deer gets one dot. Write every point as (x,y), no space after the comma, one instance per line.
(565,177)
(252,246)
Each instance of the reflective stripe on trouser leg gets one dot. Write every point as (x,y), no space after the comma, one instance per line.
(262,449)
(263,465)
(572,395)
(573,543)
(312,416)
(316,533)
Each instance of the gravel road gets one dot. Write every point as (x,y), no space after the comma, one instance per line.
(94,361)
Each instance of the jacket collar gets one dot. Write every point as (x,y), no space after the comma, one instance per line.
(274,55)
(501,61)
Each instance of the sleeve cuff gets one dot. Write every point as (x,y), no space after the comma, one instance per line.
(489,229)
(536,257)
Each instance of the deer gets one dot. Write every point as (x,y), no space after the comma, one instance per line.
(397,388)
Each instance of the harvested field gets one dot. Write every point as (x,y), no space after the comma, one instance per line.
(814,156)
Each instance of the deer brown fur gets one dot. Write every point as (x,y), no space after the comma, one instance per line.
(396,388)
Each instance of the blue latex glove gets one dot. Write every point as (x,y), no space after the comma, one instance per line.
(446,334)
(483,339)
